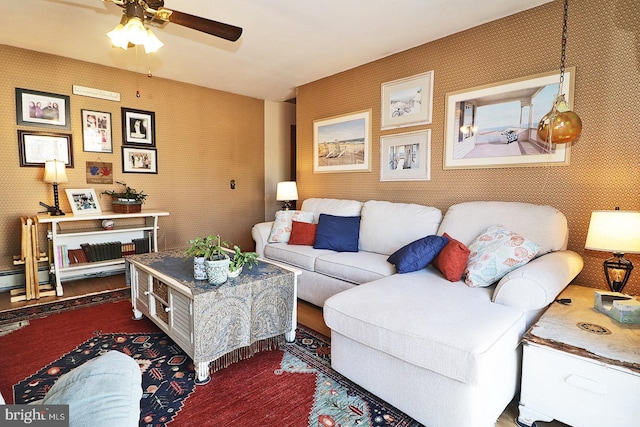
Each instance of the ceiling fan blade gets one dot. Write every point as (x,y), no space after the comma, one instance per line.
(218,29)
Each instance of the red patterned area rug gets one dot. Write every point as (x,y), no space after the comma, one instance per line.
(293,386)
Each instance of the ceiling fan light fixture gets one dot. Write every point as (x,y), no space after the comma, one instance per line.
(153,43)
(135,30)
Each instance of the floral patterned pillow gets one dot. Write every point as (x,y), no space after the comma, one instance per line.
(281,229)
(494,253)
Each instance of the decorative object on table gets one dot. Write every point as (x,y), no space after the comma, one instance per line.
(96,131)
(239,259)
(138,127)
(560,125)
(216,260)
(139,160)
(55,173)
(198,249)
(108,224)
(35,108)
(406,156)
(287,192)
(342,143)
(473,139)
(407,101)
(620,307)
(35,148)
(618,232)
(99,172)
(128,201)
(83,201)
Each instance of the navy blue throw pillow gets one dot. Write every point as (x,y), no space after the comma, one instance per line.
(417,255)
(338,233)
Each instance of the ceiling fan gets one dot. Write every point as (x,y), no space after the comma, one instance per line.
(154,13)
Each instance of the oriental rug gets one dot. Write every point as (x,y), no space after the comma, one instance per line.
(293,386)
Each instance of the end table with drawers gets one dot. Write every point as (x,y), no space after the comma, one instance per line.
(580,366)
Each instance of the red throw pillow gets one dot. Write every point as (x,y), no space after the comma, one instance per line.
(302,233)
(452,259)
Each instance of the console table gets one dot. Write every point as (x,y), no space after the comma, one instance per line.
(580,366)
(72,231)
(214,324)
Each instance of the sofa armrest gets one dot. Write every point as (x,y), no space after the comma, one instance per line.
(537,284)
(260,234)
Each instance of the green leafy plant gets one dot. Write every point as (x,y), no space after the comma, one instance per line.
(210,247)
(129,194)
(239,258)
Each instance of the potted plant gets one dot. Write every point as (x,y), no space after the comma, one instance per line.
(197,249)
(216,260)
(239,259)
(128,201)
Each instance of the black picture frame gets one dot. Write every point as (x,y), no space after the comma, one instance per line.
(138,127)
(139,160)
(36,148)
(42,109)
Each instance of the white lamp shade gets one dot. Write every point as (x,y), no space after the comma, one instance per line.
(614,231)
(55,171)
(286,190)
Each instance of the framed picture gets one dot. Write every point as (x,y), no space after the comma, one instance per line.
(138,127)
(35,148)
(407,101)
(96,131)
(342,143)
(83,201)
(406,156)
(99,172)
(495,126)
(35,108)
(139,160)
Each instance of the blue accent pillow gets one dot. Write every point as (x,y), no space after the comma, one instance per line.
(418,254)
(338,233)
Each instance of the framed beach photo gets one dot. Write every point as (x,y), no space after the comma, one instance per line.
(96,131)
(406,156)
(35,108)
(407,101)
(35,148)
(342,143)
(495,125)
(83,201)
(138,127)
(139,160)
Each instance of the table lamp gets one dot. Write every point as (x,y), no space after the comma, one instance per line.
(618,232)
(287,191)
(54,172)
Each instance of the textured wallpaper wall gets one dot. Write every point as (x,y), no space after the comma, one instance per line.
(205,138)
(603,45)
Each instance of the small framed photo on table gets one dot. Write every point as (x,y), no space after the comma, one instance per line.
(83,201)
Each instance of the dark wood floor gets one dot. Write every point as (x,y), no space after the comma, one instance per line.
(309,315)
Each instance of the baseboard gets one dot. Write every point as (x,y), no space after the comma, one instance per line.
(14,279)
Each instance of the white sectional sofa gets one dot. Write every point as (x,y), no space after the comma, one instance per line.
(445,353)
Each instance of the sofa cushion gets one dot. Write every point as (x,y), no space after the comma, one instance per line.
(338,233)
(452,259)
(386,227)
(545,225)
(302,233)
(104,391)
(355,267)
(339,207)
(300,256)
(410,316)
(281,228)
(417,254)
(494,253)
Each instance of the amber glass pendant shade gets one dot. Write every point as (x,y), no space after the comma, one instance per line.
(560,125)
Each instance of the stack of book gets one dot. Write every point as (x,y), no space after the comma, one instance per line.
(101,251)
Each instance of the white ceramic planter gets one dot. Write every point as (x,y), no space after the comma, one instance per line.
(199,270)
(217,271)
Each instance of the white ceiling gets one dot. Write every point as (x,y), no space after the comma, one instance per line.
(285,43)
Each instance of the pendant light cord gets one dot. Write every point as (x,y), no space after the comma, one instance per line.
(563,55)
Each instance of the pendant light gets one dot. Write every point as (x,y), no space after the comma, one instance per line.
(560,125)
